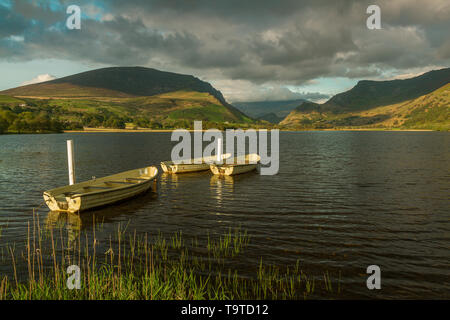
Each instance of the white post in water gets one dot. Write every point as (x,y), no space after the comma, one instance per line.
(70,161)
(219,150)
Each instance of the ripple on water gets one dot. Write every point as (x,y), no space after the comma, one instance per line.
(341,201)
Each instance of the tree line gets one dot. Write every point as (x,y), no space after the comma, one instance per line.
(27,122)
(39,117)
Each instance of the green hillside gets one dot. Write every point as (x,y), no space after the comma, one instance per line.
(119,97)
(370,94)
(165,111)
(430,111)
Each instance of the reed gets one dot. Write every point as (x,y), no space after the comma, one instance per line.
(139,266)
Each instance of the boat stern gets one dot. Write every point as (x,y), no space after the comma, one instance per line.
(51,202)
(74,204)
(164,167)
(221,170)
(168,167)
(214,169)
(54,204)
(66,204)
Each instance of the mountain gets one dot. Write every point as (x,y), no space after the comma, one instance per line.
(262,109)
(117,82)
(271,117)
(304,115)
(369,94)
(135,95)
(429,111)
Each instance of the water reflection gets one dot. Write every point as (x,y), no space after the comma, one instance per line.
(71,222)
(220,187)
(168,181)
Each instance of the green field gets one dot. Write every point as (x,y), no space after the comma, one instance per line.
(164,111)
(8,100)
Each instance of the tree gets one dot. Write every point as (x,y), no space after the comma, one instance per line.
(3,125)
(114,123)
(17,126)
(8,115)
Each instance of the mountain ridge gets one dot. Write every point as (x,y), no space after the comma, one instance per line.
(368,94)
(273,110)
(429,111)
(130,81)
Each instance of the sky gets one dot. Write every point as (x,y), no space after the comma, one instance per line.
(249,50)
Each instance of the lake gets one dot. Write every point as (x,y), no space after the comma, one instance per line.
(341,201)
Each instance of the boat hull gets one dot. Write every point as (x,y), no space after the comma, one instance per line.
(230,170)
(184,168)
(241,164)
(86,202)
(100,192)
(195,165)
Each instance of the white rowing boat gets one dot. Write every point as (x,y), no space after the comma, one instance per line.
(240,164)
(193,165)
(99,192)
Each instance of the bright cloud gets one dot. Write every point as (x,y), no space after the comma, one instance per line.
(38,79)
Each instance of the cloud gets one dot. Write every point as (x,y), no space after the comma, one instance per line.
(11,23)
(38,79)
(265,43)
(243,90)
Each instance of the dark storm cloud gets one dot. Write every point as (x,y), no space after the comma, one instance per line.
(11,24)
(40,11)
(288,42)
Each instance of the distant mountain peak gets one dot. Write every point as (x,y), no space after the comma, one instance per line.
(367,94)
(262,109)
(133,81)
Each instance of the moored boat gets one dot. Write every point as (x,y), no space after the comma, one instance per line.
(102,191)
(240,164)
(197,164)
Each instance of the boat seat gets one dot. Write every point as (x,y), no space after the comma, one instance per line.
(97,187)
(121,182)
(68,194)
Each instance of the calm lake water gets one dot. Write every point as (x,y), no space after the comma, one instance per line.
(342,201)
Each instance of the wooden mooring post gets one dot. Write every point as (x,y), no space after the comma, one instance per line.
(71,162)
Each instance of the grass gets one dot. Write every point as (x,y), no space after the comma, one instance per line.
(139,266)
(9,100)
(215,113)
(165,111)
(228,245)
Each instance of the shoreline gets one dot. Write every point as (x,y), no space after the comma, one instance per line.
(106,130)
